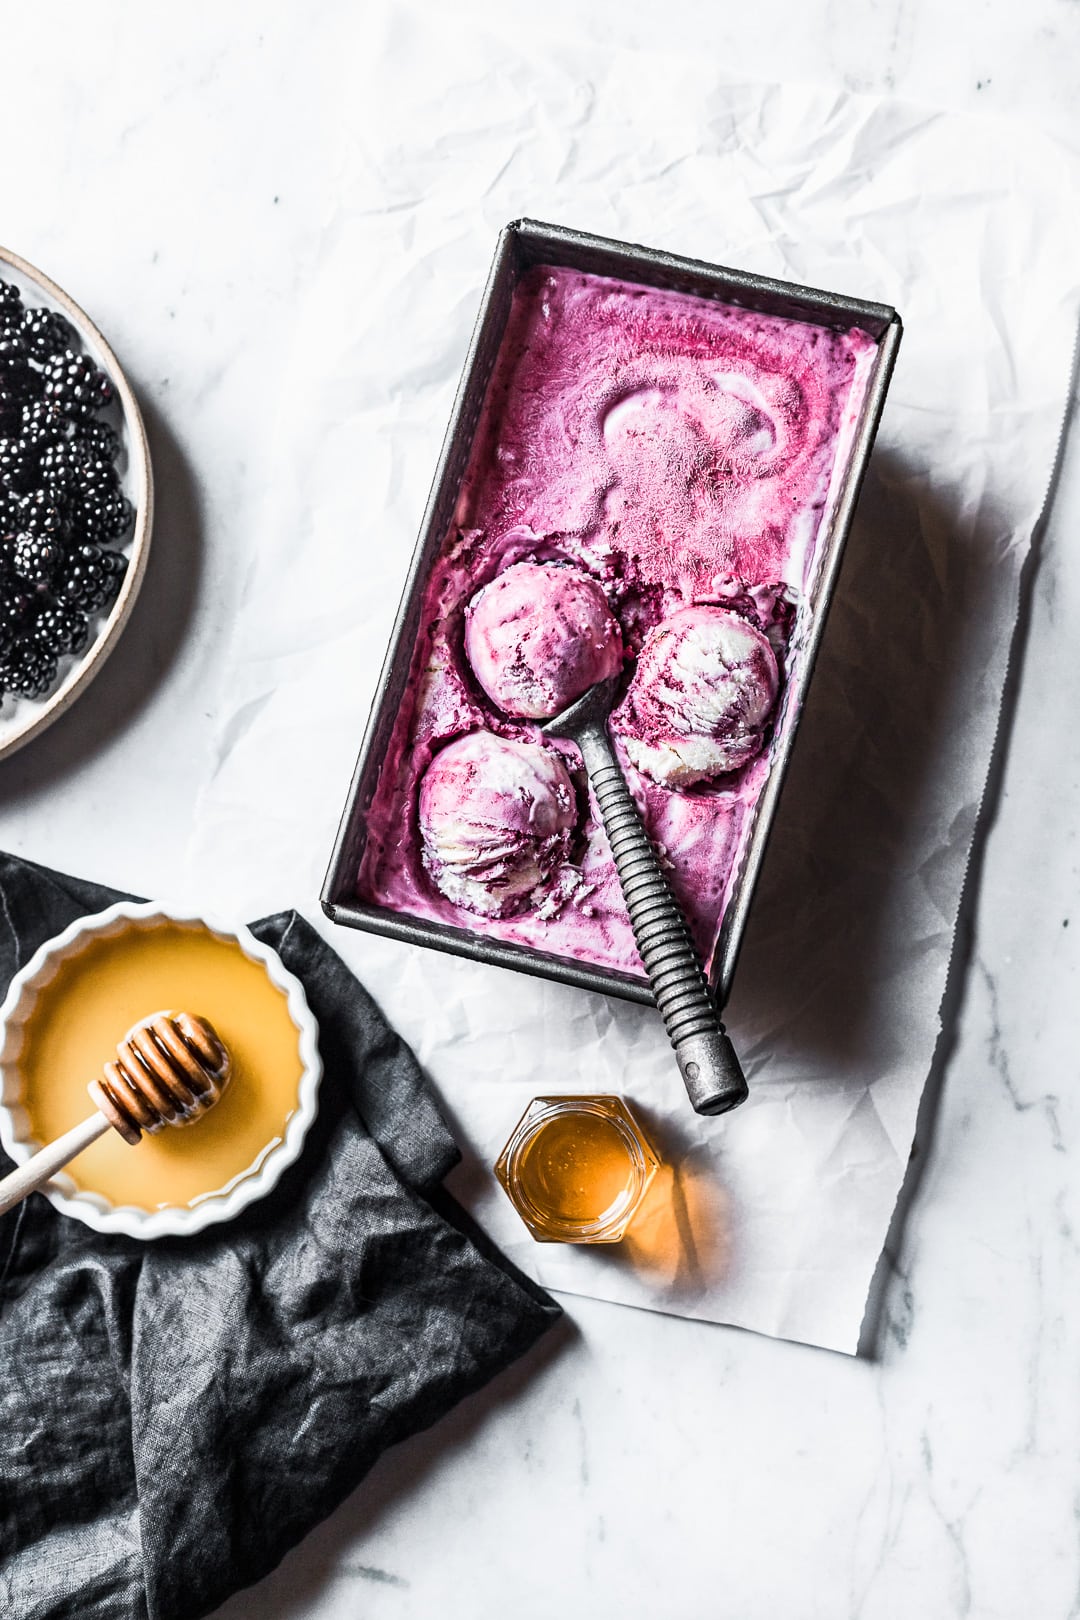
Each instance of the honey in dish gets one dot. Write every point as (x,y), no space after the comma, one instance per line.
(577,1168)
(88,1008)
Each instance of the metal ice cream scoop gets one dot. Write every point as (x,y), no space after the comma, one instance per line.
(707,1061)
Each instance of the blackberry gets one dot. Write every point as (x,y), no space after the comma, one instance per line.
(94,475)
(76,384)
(99,439)
(45,333)
(14,618)
(13,351)
(90,578)
(10,521)
(58,466)
(10,300)
(17,380)
(102,518)
(37,513)
(27,669)
(18,465)
(61,629)
(43,421)
(35,559)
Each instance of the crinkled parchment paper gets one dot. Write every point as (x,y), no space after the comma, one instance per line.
(774,1217)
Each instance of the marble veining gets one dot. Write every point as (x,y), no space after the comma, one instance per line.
(998,1057)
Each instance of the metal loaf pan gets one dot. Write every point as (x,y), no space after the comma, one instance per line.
(521,245)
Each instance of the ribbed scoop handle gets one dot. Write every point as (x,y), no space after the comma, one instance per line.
(707,1060)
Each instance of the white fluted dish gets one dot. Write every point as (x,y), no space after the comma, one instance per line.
(215,1205)
(24,718)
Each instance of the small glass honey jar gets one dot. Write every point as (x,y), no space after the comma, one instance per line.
(577,1168)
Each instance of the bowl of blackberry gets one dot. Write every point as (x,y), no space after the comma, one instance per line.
(76,501)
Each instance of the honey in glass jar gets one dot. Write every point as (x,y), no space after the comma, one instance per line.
(577,1168)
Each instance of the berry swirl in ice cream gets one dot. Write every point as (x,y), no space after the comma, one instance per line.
(702,693)
(496,818)
(538,637)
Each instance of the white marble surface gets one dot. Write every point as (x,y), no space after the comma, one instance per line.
(177,178)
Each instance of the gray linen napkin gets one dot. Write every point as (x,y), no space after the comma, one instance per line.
(175,1415)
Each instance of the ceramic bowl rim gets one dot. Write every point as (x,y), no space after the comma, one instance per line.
(217,1205)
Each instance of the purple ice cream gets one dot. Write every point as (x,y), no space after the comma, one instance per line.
(538,637)
(702,694)
(495,820)
(683,457)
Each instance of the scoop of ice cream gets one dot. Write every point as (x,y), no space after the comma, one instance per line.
(496,817)
(539,636)
(704,687)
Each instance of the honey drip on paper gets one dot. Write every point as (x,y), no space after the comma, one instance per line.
(577,1168)
(89,1007)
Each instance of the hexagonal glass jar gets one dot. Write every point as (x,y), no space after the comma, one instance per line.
(577,1168)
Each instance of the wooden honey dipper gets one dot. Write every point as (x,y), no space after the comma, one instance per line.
(169,1069)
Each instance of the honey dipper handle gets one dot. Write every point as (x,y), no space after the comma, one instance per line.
(707,1060)
(45,1163)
